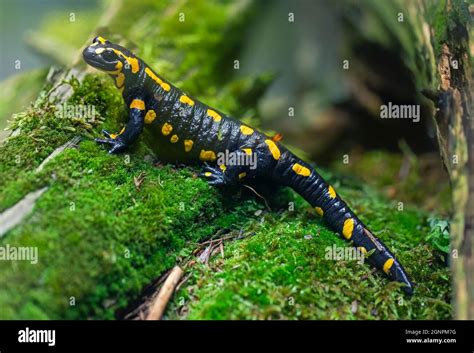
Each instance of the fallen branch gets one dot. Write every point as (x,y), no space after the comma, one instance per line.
(158,305)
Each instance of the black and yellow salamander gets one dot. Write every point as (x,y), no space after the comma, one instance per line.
(195,132)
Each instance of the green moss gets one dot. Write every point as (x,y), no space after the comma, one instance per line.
(43,129)
(94,226)
(439,23)
(445,18)
(282,273)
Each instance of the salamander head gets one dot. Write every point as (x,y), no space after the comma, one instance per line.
(110,58)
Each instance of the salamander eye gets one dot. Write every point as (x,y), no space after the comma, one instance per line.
(109,55)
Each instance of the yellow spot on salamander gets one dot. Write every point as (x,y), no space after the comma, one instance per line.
(118,69)
(133,62)
(208,174)
(101,40)
(274,150)
(388,265)
(207,156)
(319,211)
(332,192)
(188,145)
(246,130)
(301,170)
(150,116)
(166,129)
(223,167)
(247,150)
(137,104)
(174,139)
(186,100)
(99,50)
(362,250)
(158,80)
(120,79)
(348,228)
(214,115)
(242,175)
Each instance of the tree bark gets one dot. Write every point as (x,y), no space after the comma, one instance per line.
(455,132)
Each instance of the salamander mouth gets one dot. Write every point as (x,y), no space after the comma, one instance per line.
(99,64)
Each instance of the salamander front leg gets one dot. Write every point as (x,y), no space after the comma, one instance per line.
(129,134)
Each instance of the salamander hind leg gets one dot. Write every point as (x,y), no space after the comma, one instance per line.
(216,176)
(229,172)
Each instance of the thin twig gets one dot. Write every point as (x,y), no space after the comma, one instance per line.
(214,240)
(256,193)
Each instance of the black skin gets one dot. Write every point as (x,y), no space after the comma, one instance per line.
(193,122)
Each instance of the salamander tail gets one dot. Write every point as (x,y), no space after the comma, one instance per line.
(323,198)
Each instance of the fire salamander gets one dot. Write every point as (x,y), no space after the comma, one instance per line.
(198,133)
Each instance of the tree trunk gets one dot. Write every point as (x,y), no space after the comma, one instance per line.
(455,136)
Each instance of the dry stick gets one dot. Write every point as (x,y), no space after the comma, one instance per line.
(171,284)
(159,304)
(156,284)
